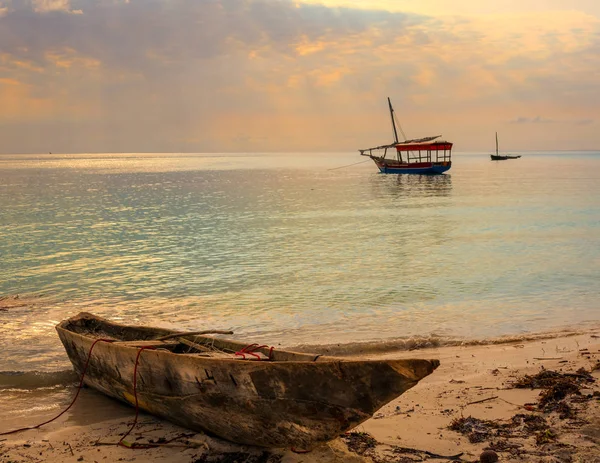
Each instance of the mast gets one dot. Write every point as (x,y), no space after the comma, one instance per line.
(496,143)
(393,121)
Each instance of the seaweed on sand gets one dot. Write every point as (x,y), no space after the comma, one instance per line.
(240,457)
(559,392)
(556,387)
(530,422)
(546,379)
(364,444)
(545,437)
(504,445)
(478,430)
(359,442)
(520,426)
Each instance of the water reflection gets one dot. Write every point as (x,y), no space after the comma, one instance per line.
(420,186)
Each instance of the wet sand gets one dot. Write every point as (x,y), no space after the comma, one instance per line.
(472,382)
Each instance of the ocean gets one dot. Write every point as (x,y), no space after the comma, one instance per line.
(295,249)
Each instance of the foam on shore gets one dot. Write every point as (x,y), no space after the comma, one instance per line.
(36,379)
(433,341)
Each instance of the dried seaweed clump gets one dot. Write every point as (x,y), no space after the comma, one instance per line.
(475,429)
(530,423)
(545,379)
(545,437)
(359,442)
(556,387)
(520,426)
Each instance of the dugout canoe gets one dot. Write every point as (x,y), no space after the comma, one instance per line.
(249,395)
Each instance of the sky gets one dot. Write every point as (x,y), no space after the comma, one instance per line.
(83,76)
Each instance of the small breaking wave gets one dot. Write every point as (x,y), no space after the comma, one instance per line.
(19,301)
(36,379)
(427,342)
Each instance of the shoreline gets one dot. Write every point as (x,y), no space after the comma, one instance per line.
(416,344)
(471,382)
(29,342)
(22,352)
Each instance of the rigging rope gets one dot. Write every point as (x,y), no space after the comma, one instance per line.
(349,165)
(399,126)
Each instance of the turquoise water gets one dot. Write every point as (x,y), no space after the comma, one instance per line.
(295,248)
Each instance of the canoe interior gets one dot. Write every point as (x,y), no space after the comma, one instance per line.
(91,326)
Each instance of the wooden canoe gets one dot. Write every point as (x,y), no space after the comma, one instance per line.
(286,399)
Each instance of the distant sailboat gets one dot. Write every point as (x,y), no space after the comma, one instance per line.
(501,157)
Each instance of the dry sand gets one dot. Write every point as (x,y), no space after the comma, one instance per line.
(472,381)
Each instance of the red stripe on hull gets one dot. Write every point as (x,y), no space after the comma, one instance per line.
(400,165)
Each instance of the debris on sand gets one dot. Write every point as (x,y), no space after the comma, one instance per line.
(364,444)
(545,437)
(477,430)
(504,445)
(521,426)
(556,387)
(529,423)
(240,457)
(546,379)
(560,392)
(359,442)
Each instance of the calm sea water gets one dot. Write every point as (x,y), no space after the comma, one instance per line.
(295,248)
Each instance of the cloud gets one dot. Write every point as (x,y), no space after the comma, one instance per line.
(184,75)
(541,120)
(532,120)
(47,6)
(463,8)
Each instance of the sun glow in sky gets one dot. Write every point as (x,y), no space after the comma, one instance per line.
(296,75)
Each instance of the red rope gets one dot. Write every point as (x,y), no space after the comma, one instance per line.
(121,442)
(74,398)
(251,349)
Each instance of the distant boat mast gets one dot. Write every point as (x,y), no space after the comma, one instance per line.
(496,143)
(393,121)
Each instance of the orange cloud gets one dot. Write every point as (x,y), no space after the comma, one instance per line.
(17,101)
(307,47)
(14,63)
(69,58)
(46,6)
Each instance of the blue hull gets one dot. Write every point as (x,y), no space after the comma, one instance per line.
(432,170)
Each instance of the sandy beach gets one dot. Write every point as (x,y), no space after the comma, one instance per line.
(472,389)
